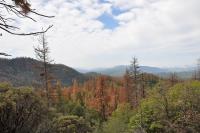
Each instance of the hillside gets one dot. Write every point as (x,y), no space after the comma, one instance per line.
(25,72)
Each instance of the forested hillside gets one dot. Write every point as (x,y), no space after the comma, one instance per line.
(26,72)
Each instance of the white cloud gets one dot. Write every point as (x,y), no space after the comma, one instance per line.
(158,32)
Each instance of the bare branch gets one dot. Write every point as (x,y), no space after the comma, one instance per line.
(41,14)
(4,54)
(26,34)
(21,10)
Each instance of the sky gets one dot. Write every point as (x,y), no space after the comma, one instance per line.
(105,33)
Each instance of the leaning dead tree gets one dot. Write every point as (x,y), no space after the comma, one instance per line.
(20,9)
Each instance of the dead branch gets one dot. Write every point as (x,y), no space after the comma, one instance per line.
(21,8)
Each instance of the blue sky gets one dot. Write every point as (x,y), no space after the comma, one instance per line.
(108,21)
(105,33)
(117,11)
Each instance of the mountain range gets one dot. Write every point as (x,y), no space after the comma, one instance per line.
(183,72)
(25,72)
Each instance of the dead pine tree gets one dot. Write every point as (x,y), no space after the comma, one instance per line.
(143,83)
(102,98)
(194,76)
(173,79)
(134,74)
(42,54)
(196,73)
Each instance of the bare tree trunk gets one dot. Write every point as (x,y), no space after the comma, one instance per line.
(42,55)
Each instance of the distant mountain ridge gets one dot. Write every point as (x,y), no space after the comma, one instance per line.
(120,70)
(23,72)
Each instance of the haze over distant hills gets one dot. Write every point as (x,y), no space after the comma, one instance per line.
(184,72)
(22,72)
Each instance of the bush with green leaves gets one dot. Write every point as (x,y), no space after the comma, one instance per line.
(71,108)
(4,86)
(71,124)
(75,108)
(21,111)
(118,122)
(169,110)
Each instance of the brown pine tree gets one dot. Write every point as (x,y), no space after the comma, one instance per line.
(101,97)
(127,87)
